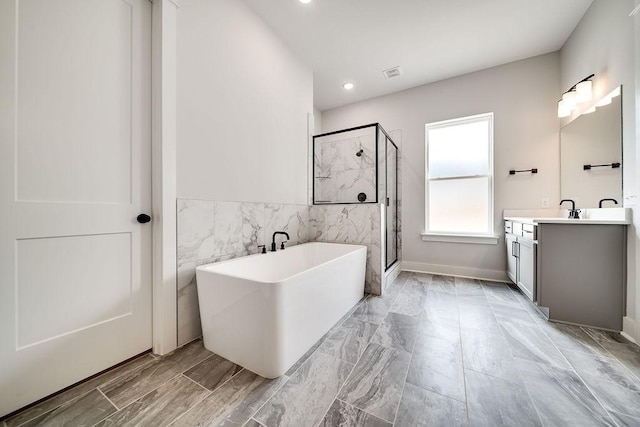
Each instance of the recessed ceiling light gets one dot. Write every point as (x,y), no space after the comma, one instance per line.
(305,1)
(348,85)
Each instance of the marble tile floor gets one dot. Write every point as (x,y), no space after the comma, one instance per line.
(433,351)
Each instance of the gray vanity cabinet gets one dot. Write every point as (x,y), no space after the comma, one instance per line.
(581,273)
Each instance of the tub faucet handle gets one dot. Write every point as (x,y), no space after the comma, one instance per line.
(264,248)
(273,239)
(282,244)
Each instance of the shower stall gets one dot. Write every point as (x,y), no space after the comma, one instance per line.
(359,166)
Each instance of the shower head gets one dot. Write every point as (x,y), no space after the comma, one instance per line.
(359,153)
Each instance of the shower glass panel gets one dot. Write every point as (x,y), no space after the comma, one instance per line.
(391,202)
(345,167)
(356,166)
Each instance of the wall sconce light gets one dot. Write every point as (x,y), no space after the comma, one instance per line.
(584,91)
(580,92)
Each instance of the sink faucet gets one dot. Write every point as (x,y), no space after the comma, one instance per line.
(273,240)
(573,213)
(605,200)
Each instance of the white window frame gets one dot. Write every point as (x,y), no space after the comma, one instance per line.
(489,237)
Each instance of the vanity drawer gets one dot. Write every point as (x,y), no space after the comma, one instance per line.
(516,228)
(521,229)
(529,231)
(508,227)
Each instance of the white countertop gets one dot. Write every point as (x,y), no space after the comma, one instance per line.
(603,216)
(526,220)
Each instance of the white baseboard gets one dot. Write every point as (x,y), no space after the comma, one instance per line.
(452,270)
(629,330)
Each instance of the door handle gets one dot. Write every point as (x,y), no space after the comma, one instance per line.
(143,218)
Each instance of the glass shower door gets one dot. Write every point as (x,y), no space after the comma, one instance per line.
(391,165)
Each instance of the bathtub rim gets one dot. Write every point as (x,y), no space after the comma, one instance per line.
(206,268)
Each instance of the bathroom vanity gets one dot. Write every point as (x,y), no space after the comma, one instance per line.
(573,269)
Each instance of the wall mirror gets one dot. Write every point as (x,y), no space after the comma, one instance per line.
(591,155)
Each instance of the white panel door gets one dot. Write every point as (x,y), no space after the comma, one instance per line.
(75,265)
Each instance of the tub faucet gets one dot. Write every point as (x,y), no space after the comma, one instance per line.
(573,213)
(273,239)
(607,200)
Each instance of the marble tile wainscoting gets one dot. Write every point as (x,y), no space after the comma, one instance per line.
(211,231)
(356,224)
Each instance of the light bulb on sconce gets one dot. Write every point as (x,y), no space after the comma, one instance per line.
(578,93)
(584,91)
(569,100)
(563,111)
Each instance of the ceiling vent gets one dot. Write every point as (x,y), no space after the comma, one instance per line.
(392,72)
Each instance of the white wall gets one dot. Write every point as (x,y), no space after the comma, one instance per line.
(243,101)
(317,119)
(603,43)
(523,97)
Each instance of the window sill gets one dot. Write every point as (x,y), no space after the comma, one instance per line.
(460,238)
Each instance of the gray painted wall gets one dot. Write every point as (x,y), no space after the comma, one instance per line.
(523,96)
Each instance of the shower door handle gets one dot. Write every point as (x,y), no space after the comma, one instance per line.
(387,202)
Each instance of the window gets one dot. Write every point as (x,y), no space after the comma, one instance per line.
(459,180)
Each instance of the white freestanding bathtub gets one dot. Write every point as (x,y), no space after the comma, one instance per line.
(264,311)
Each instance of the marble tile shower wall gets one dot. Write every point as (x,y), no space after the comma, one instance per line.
(356,224)
(211,231)
(341,174)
